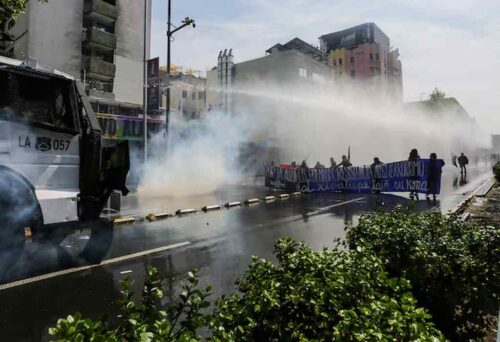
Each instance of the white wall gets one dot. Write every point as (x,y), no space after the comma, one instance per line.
(129,53)
(55,34)
(128,80)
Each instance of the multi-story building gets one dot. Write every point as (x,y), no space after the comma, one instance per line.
(363,53)
(187,93)
(99,41)
(291,64)
(255,88)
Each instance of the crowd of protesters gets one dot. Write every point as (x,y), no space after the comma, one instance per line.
(433,174)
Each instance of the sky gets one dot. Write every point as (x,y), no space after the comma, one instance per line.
(450,44)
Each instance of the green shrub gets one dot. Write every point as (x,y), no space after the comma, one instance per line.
(453,267)
(496,171)
(149,321)
(307,296)
(331,295)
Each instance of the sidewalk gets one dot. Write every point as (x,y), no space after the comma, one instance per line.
(486,210)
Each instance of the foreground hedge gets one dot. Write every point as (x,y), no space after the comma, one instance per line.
(306,296)
(496,171)
(453,267)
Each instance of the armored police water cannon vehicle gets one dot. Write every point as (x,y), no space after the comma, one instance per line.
(55,168)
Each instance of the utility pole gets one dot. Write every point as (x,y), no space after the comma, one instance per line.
(145,85)
(187,21)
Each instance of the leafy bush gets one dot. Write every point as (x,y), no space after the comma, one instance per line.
(453,266)
(149,321)
(307,296)
(320,296)
(496,171)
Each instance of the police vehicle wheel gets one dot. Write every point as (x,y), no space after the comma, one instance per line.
(99,243)
(19,208)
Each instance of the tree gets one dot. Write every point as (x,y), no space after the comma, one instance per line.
(437,95)
(10,9)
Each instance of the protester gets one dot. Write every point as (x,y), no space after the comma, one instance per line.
(333,164)
(454,160)
(304,165)
(434,176)
(413,171)
(462,161)
(345,162)
(319,165)
(293,165)
(376,179)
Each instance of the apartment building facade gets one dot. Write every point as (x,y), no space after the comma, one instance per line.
(363,54)
(100,42)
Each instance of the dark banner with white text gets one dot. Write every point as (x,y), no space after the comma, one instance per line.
(422,176)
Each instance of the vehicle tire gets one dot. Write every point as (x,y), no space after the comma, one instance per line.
(19,208)
(99,243)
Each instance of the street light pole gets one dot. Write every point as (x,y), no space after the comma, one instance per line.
(145,85)
(169,35)
(187,21)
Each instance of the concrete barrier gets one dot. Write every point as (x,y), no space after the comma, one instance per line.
(252,201)
(151,217)
(269,198)
(298,193)
(27,232)
(284,196)
(211,207)
(124,220)
(232,204)
(185,211)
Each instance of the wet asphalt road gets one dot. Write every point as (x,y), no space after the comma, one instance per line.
(218,243)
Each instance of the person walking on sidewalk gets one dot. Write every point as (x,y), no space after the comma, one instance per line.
(462,161)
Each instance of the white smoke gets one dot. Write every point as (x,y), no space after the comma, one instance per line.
(202,155)
(310,122)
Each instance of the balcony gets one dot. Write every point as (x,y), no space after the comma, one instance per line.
(99,69)
(101,39)
(100,10)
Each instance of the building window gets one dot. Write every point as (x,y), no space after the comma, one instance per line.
(335,62)
(371,56)
(193,95)
(201,95)
(318,78)
(302,72)
(184,94)
(377,56)
(352,60)
(340,61)
(353,74)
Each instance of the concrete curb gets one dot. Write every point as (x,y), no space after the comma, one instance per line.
(185,211)
(155,216)
(123,220)
(232,204)
(460,207)
(211,207)
(151,217)
(486,187)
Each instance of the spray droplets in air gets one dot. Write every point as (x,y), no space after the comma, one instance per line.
(202,155)
(285,122)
